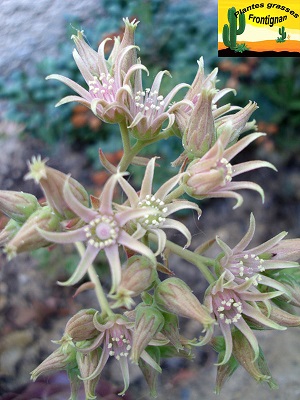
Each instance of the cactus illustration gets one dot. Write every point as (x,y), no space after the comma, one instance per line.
(283,35)
(230,32)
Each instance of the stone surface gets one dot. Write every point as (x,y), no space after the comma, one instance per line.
(31,30)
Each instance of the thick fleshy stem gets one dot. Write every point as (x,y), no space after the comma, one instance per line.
(199,261)
(95,280)
(175,194)
(131,151)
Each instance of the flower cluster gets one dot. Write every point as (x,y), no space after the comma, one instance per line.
(248,289)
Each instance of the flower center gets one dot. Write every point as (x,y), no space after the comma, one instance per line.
(149,102)
(226,169)
(103,87)
(249,265)
(227,307)
(102,231)
(119,343)
(154,220)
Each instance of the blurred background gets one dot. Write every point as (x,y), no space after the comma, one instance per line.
(172,35)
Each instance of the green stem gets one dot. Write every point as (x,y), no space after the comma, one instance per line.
(175,194)
(95,280)
(199,261)
(131,152)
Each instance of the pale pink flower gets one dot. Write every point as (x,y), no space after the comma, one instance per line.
(162,209)
(108,80)
(245,263)
(116,340)
(149,109)
(211,175)
(103,230)
(230,303)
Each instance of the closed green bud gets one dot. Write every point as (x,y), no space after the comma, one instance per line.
(52,183)
(28,238)
(150,373)
(244,354)
(175,296)
(149,321)
(9,231)
(137,277)
(81,326)
(18,205)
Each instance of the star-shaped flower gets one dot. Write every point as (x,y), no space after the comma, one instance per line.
(108,80)
(245,263)
(103,230)
(211,175)
(230,303)
(162,209)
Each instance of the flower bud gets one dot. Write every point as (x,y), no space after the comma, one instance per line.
(171,330)
(52,183)
(17,205)
(138,275)
(9,231)
(150,373)
(174,296)
(62,358)
(87,364)
(284,318)
(238,121)
(81,327)
(28,238)
(243,352)
(200,134)
(149,321)
(224,371)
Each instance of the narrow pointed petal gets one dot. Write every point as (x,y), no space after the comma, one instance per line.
(86,214)
(149,360)
(258,316)
(87,259)
(248,236)
(248,296)
(130,192)
(228,343)
(182,205)
(170,223)
(107,195)
(73,85)
(173,92)
(101,56)
(102,362)
(161,240)
(82,67)
(241,144)
(125,374)
(146,187)
(70,99)
(250,165)
(247,332)
(126,240)
(266,246)
(124,216)
(113,257)
(168,186)
(77,235)
(227,250)
(157,81)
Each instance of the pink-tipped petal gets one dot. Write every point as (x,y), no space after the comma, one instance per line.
(87,259)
